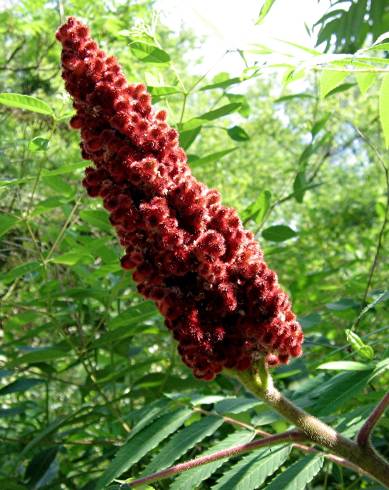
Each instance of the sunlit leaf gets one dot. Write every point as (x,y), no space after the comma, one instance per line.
(330,79)
(344,366)
(365,81)
(38,144)
(213,157)
(149,53)
(266,6)
(257,210)
(72,257)
(358,345)
(26,102)
(384,108)
(222,83)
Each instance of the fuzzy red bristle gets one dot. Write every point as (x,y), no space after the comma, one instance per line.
(189,253)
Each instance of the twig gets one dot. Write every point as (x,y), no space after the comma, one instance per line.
(62,232)
(364,434)
(385,221)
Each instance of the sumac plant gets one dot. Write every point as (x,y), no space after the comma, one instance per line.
(193,258)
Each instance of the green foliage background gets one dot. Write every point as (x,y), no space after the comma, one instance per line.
(90,381)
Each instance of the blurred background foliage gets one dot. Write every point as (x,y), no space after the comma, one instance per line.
(86,364)
(348,23)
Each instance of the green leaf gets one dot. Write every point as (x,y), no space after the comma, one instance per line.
(26,102)
(278,233)
(126,325)
(65,169)
(149,53)
(19,271)
(384,296)
(7,222)
(267,5)
(192,478)
(38,144)
(97,218)
(379,47)
(222,111)
(141,443)
(252,470)
(50,203)
(258,209)
(357,344)
(244,109)
(20,385)
(42,354)
(345,366)
(309,321)
(299,187)
(134,314)
(47,430)
(39,466)
(384,108)
(181,442)
(365,81)
(343,304)
(213,157)
(300,47)
(222,84)
(238,134)
(340,389)
(320,124)
(285,98)
(298,475)
(163,91)
(73,257)
(188,137)
(236,405)
(329,79)
(340,88)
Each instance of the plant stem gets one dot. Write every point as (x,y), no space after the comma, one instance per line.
(385,221)
(317,431)
(364,434)
(225,453)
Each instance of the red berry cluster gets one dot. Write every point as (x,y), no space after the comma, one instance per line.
(190,254)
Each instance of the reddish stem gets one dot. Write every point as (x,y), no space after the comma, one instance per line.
(289,436)
(367,428)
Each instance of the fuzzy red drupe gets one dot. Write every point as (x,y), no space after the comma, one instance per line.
(189,253)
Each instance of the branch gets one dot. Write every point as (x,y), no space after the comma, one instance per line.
(316,431)
(288,436)
(364,434)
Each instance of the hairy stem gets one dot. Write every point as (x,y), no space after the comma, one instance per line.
(317,431)
(364,434)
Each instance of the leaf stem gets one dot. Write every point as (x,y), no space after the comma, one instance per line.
(288,436)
